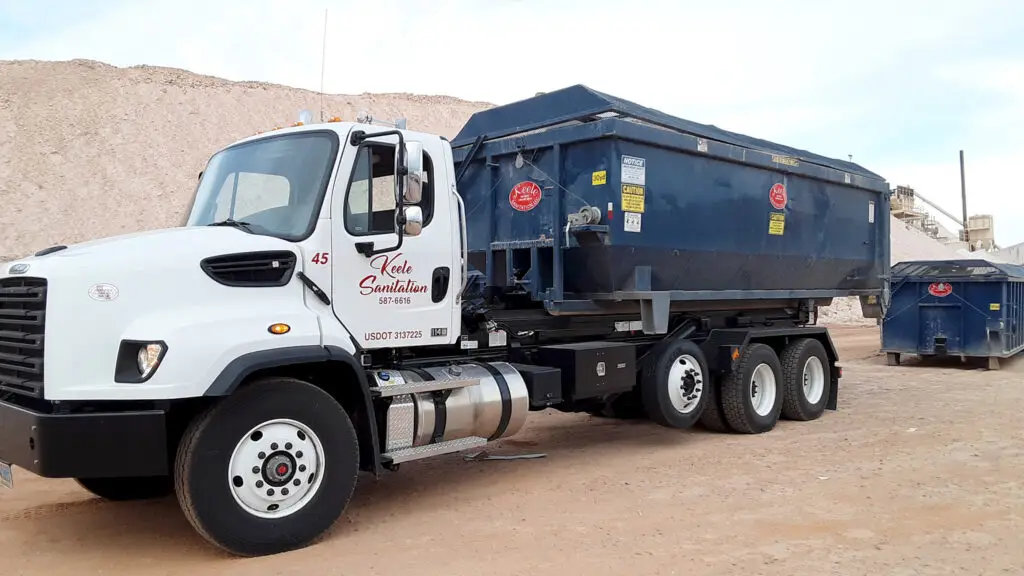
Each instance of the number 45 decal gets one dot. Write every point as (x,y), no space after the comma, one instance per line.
(321,258)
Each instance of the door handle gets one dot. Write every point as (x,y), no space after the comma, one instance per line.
(439,283)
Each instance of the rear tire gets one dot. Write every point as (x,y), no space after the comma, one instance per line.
(752,392)
(806,378)
(673,387)
(129,488)
(269,468)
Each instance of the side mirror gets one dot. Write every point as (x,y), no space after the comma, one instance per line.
(413,220)
(414,173)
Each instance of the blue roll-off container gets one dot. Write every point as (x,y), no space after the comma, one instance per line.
(675,214)
(966,308)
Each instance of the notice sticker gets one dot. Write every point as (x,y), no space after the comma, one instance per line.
(777,223)
(871,212)
(632,222)
(634,170)
(632,198)
(599,178)
(940,289)
(994,306)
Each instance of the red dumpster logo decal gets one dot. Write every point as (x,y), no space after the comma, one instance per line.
(524,196)
(778,197)
(940,289)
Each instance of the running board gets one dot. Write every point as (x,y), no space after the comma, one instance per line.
(424,386)
(428,450)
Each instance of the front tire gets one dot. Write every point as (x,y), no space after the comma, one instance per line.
(129,488)
(673,386)
(268,469)
(752,392)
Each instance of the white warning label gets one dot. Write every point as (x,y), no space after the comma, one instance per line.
(632,222)
(634,170)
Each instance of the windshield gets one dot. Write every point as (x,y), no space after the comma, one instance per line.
(274,185)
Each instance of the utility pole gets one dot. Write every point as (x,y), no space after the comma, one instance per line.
(963,201)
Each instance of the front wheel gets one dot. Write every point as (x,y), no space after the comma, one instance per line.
(126,489)
(268,469)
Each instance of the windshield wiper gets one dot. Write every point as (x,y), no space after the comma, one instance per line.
(234,224)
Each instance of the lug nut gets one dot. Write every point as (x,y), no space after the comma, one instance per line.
(273,446)
(284,491)
(259,483)
(296,482)
(288,446)
(255,469)
(262,455)
(298,454)
(302,467)
(270,491)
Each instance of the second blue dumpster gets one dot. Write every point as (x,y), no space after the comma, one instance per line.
(964,308)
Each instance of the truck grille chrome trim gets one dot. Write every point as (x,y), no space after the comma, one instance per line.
(22,330)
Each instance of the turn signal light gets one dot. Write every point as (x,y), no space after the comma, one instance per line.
(279,328)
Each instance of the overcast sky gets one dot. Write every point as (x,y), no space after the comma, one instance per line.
(901,85)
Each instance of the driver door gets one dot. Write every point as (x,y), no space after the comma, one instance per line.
(400,297)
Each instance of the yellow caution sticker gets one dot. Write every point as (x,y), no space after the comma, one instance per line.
(777,223)
(632,198)
(994,306)
(599,178)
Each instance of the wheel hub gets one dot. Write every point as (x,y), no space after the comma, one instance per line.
(686,383)
(279,468)
(276,468)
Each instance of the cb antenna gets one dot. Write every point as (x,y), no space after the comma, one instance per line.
(323,58)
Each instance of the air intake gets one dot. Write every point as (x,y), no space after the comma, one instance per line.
(251,269)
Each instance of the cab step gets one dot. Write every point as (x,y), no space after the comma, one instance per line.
(407,387)
(428,450)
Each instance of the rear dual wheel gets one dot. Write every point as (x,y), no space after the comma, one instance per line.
(764,387)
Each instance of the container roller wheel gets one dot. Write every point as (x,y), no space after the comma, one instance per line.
(674,383)
(752,392)
(806,377)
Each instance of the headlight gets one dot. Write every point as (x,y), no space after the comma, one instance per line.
(138,360)
(148,358)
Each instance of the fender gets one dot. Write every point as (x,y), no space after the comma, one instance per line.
(242,367)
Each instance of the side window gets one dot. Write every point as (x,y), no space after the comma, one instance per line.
(370,203)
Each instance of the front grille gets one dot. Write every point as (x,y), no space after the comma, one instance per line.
(22,328)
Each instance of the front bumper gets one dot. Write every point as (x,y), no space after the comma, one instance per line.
(84,445)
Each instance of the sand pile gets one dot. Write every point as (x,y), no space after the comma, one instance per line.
(90,150)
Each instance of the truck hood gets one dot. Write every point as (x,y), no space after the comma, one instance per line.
(141,251)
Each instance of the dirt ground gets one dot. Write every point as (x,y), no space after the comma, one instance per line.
(919,472)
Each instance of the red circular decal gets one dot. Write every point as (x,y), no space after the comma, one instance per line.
(524,196)
(777,196)
(940,289)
